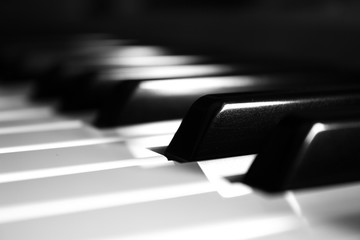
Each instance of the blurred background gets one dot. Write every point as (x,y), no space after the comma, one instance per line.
(318,31)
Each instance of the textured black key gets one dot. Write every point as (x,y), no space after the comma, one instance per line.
(309,151)
(228,125)
(137,101)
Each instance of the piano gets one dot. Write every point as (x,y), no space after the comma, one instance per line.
(89,121)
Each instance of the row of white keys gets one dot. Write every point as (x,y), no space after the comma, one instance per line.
(143,195)
(44,148)
(95,190)
(177,187)
(59,198)
(198,216)
(163,202)
(19,166)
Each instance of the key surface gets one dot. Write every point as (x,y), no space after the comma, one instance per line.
(136,101)
(28,113)
(327,213)
(88,59)
(200,216)
(47,196)
(41,124)
(88,91)
(18,166)
(226,125)
(314,150)
(49,139)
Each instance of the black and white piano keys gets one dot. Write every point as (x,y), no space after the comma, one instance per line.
(117,203)
(187,185)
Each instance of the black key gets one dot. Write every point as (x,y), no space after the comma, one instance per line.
(88,90)
(309,151)
(79,55)
(228,125)
(137,101)
(83,83)
(24,58)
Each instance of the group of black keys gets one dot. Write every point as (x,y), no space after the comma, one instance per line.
(302,121)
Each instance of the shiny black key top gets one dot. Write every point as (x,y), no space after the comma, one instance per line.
(88,90)
(137,101)
(309,151)
(89,82)
(228,125)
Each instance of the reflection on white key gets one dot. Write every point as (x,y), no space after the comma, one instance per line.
(21,166)
(217,170)
(32,119)
(150,141)
(327,213)
(136,51)
(334,203)
(160,60)
(149,129)
(30,141)
(114,55)
(26,113)
(164,72)
(195,85)
(200,216)
(13,124)
(13,101)
(316,232)
(102,189)
(46,124)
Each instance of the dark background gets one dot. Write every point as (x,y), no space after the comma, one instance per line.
(318,31)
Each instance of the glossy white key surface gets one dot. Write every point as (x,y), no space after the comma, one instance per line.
(327,213)
(36,125)
(338,203)
(13,102)
(26,113)
(69,160)
(101,189)
(154,72)
(39,137)
(201,216)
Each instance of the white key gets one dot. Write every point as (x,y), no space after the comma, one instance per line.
(155,60)
(164,71)
(327,213)
(336,203)
(27,165)
(26,113)
(95,190)
(328,232)
(36,125)
(13,102)
(201,216)
(30,141)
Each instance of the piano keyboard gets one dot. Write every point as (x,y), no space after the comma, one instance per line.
(63,178)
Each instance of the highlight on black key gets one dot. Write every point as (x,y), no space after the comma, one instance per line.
(309,150)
